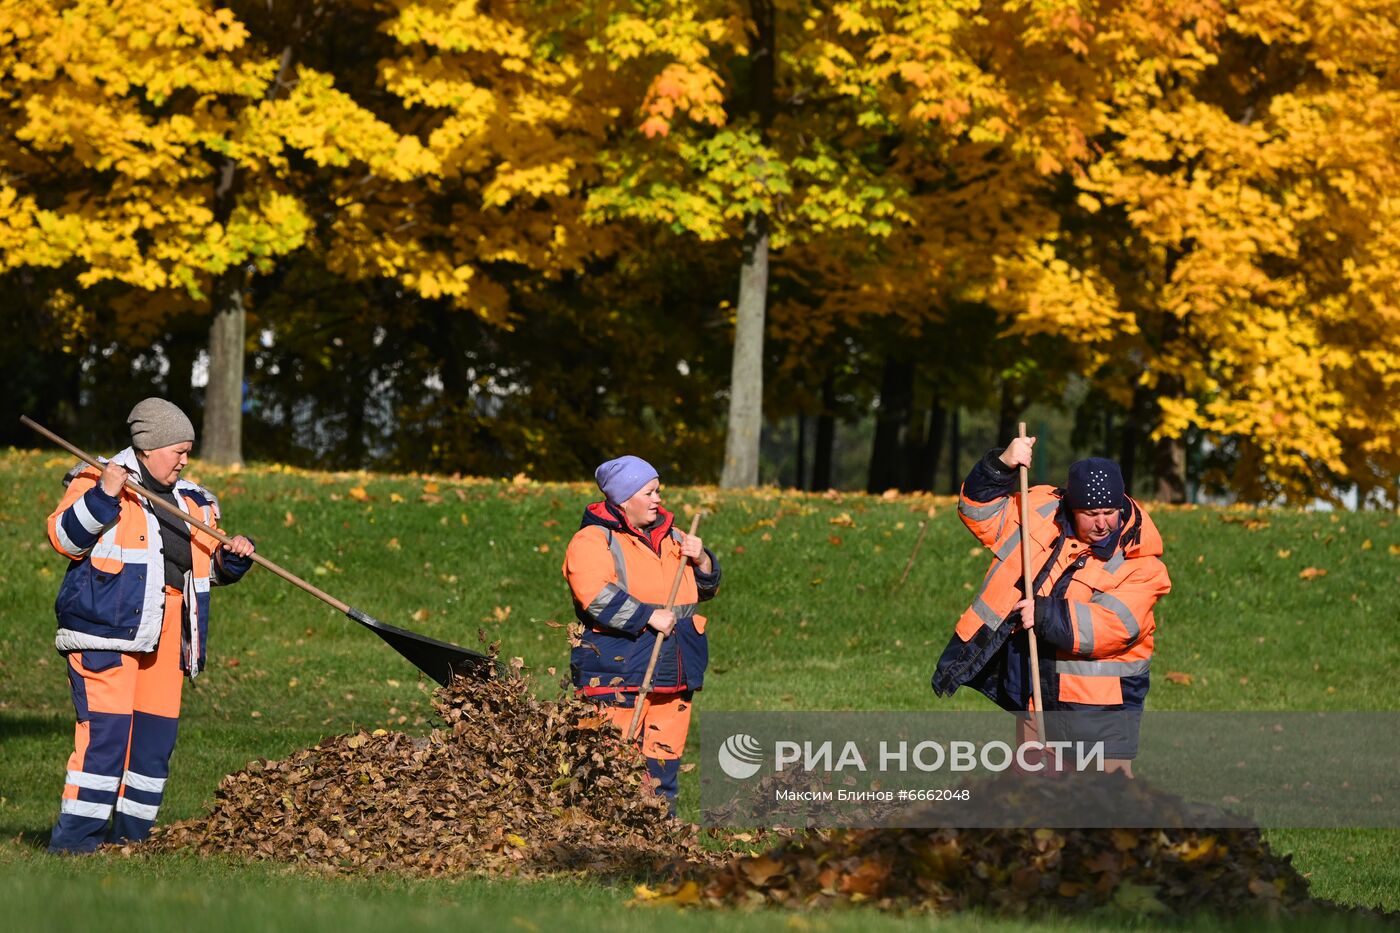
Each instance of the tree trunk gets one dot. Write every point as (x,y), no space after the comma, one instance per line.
(745,422)
(746,375)
(223,397)
(1169,460)
(1007,413)
(1134,426)
(799,481)
(826,437)
(924,463)
(891,426)
(222,440)
(1169,464)
(955,452)
(1171,470)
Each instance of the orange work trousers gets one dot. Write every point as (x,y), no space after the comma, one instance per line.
(128,709)
(664,726)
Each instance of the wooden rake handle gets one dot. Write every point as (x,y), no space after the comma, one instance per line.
(656,645)
(1030,592)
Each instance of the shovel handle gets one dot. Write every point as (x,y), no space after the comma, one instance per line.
(189,519)
(1030,593)
(656,645)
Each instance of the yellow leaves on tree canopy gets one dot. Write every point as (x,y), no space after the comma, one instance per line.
(1203,194)
(135,113)
(123,108)
(1259,184)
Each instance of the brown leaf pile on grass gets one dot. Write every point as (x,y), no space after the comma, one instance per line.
(508,784)
(1179,870)
(1150,871)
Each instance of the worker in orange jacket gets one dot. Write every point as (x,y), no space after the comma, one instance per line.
(1096,560)
(133,615)
(620,566)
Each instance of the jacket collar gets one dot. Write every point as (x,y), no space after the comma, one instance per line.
(1137,536)
(126,458)
(611,517)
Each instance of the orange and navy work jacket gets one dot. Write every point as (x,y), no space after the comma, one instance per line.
(113,595)
(1094,604)
(618,576)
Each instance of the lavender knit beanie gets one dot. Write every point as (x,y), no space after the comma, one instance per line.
(621,479)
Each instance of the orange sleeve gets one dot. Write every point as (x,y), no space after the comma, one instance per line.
(599,596)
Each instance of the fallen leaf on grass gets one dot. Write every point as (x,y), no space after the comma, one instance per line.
(422,615)
(686,895)
(1311,573)
(1179,677)
(289,520)
(844,520)
(359,494)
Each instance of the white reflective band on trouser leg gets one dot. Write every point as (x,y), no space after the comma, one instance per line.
(142,782)
(93,781)
(142,811)
(96,811)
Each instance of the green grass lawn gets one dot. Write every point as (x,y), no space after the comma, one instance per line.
(811,617)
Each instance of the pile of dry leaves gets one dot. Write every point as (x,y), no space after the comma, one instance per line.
(509,784)
(1006,871)
(514,785)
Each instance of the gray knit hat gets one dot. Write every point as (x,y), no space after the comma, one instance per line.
(156,423)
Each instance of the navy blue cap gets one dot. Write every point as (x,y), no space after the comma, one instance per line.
(1095,483)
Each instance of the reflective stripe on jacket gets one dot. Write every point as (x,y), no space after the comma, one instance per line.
(618,576)
(1094,612)
(113,594)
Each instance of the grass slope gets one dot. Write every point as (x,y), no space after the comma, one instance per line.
(811,616)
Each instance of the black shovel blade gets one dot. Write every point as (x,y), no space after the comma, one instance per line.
(440,660)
